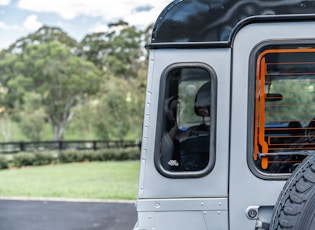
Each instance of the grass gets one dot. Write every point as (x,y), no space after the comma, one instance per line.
(94,180)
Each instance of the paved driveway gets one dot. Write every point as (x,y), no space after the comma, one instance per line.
(66,215)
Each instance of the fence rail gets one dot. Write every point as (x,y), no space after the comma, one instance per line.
(16,147)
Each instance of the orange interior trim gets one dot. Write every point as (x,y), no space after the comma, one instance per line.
(259,131)
(262,142)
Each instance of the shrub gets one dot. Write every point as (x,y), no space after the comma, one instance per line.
(130,154)
(68,156)
(71,155)
(4,163)
(23,159)
(43,159)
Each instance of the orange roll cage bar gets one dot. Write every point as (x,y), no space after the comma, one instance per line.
(260,96)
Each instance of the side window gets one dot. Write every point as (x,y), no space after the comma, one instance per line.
(284,121)
(187,120)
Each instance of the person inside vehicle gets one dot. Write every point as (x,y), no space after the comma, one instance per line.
(176,145)
(202,106)
(169,154)
(194,150)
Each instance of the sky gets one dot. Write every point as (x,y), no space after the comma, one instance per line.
(18,18)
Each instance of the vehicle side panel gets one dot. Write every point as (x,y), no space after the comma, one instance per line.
(246,189)
(152,183)
(185,203)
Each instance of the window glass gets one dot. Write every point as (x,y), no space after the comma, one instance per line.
(188,109)
(284,124)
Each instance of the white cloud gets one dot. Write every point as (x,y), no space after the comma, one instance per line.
(4,2)
(99,27)
(10,34)
(143,18)
(31,22)
(110,10)
(3,25)
(135,12)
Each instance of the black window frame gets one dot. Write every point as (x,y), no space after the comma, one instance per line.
(259,48)
(213,120)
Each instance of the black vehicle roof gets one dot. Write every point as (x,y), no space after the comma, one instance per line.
(201,21)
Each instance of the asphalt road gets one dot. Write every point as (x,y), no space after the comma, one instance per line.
(66,215)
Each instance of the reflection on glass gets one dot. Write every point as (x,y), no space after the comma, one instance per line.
(186,120)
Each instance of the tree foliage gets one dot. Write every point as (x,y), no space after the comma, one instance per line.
(113,111)
(53,72)
(99,83)
(118,51)
(43,35)
(33,116)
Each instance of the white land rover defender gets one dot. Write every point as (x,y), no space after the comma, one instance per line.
(229,125)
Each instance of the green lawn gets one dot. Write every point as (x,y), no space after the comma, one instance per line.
(94,180)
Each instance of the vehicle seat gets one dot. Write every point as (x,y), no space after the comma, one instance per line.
(295,128)
(311,127)
(194,153)
(194,150)
(202,98)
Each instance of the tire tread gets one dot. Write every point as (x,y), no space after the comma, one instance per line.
(293,197)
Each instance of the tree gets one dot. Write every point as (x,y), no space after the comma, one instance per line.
(113,117)
(29,64)
(120,54)
(33,116)
(94,47)
(52,71)
(118,51)
(43,35)
(5,125)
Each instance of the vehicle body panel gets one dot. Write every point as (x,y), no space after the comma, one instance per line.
(251,190)
(229,195)
(160,186)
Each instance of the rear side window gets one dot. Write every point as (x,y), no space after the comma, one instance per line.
(187,121)
(284,108)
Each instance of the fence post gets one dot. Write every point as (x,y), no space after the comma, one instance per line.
(22,147)
(60,145)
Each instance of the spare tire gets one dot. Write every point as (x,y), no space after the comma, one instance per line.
(295,208)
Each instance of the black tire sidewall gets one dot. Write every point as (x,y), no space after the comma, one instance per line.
(299,203)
